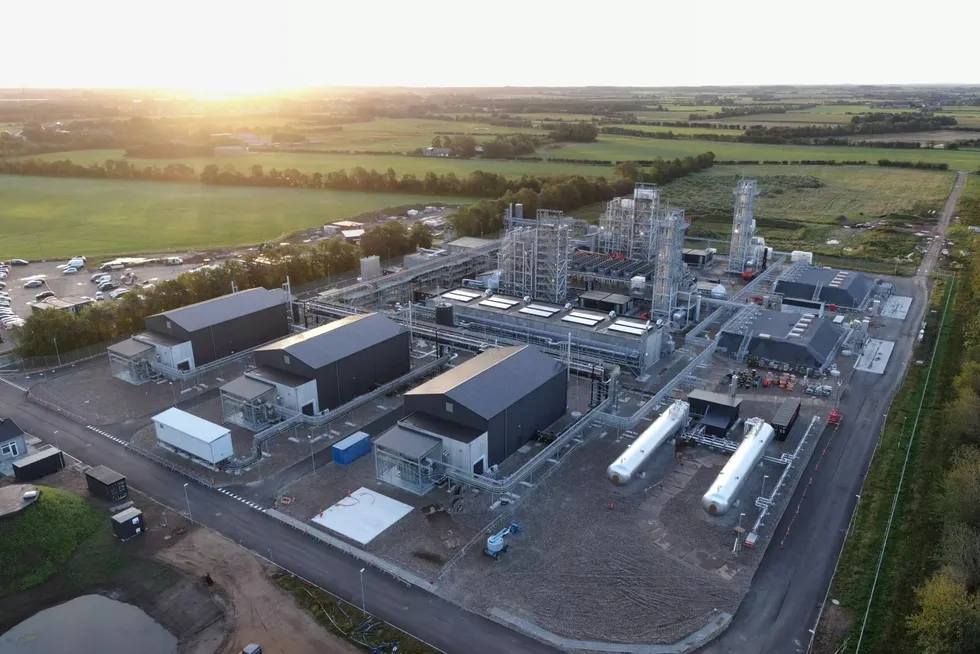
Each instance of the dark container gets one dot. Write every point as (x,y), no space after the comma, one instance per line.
(38,465)
(106,483)
(786,417)
(445,315)
(128,523)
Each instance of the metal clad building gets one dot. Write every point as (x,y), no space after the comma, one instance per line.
(840,287)
(346,358)
(509,392)
(798,340)
(224,325)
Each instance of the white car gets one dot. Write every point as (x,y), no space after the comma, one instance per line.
(70,270)
(118,293)
(99,295)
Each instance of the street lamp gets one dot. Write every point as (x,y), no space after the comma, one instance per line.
(363,610)
(173,394)
(740,516)
(56,351)
(763,491)
(188,499)
(309,437)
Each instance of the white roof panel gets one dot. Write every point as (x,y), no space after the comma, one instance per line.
(463,291)
(496,305)
(617,327)
(541,307)
(504,300)
(580,321)
(191,425)
(536,312)
(459,297)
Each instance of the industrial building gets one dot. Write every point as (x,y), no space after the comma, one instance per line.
(718,412)
(319,369)
(473,416)
(776,339)
(534,259)
(632,342)
(748,253)
(187,338)
(841,288)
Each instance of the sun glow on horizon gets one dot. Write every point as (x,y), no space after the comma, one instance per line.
(221,48)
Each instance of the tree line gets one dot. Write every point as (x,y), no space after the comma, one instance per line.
(570,193)
(735,112)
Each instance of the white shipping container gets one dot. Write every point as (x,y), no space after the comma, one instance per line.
(194,435)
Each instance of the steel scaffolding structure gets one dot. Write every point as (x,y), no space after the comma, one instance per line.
(552,254)
(517,259)
(670,270)
(743,225)
(627,227)
(534,260)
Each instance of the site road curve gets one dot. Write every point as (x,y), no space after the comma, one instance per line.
(427,617)
(782,605)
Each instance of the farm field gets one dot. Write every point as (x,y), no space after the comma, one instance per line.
(111,217)
(937,136)
(678,130)
(396,134)
(324,163)
(627,148)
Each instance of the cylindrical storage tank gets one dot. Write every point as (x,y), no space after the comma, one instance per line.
(733,476)
(719,291)
(646,444)
(445,315)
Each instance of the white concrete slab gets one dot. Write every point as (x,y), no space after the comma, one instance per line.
(875,357)
(897,307)
(362,515)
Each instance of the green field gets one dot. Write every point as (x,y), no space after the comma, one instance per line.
(324,163)
(111,217)
(397,134)
(627,148)
(679,130)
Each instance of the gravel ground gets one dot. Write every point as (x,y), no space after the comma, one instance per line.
(583,570)
(94,394)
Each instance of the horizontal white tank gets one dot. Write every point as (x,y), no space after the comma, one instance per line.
(731,479)
(659,432)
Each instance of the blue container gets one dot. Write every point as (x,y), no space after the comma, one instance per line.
(351,448)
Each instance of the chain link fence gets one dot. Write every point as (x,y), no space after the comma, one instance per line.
(11,362)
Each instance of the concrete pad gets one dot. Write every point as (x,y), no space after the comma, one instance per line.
(681,549)
(875,357)
(363,515)
(727,572)
(695,557)
(897,307)
(667,541)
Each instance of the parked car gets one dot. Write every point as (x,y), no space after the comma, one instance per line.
(112,266)
(34,283)
(43,294)
(3,284)
(70,270)
(99,295)
(118,293)
(19,262)
(3,275)
(108,286)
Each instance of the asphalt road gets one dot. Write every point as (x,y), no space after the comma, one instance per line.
(427,617)
(784,601)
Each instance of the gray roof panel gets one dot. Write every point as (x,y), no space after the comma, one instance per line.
(129,348)
(222,309)
(489,383)
(247,388)
(274,376)
(433,425)
(410,444)
(334,341)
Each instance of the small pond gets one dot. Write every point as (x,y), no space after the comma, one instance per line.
(90,623)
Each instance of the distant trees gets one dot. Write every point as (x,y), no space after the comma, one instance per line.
(922,165)
(948,621)
(420,235)
(577,132)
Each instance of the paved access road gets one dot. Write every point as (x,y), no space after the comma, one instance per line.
(434,620)
(782,606)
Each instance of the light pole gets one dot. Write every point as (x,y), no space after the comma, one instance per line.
(763,491)
(740,516)
(56,350)
(188,499)
(173,394)
(363,610)
(309,437)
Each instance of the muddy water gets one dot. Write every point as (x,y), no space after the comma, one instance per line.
(90,623)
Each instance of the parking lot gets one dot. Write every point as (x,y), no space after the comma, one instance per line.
(50,273)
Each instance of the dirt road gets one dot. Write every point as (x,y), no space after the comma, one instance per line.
(260,612)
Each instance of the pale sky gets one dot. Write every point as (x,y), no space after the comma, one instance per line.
(226,46)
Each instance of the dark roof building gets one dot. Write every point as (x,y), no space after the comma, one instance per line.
(802,341)
(508,393)
(718,411)
(346,358)
(219,327)
(840,287)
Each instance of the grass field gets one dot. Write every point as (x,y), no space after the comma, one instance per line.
(324,163)
(110,217)
(626,148)
(398,134)
(679,130)
(32,550)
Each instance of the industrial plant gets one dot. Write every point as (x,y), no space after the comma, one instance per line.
(493,402)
